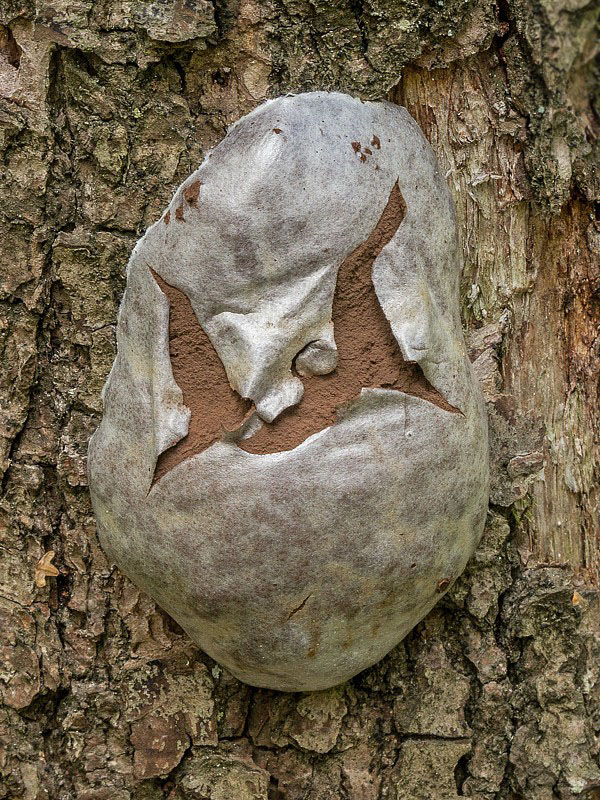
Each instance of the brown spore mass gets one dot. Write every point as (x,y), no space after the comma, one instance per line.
(376,141)
(199,372)
(368,357)
(368,354)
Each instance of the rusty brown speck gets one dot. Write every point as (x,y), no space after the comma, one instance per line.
(356,147)
(443,584)
(276,130)
(167,218)
(191,193)
(376,142)
(179,214)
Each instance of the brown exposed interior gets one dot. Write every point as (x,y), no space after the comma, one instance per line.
(368,356)
(200,374)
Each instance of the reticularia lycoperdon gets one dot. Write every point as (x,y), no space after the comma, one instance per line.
(293,455)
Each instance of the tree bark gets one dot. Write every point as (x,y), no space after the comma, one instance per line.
(105,108)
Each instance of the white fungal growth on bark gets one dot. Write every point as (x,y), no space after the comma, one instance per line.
(297,567)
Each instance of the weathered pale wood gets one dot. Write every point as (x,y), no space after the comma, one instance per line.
(532,279)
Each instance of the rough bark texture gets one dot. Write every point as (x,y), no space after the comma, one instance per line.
(105,108)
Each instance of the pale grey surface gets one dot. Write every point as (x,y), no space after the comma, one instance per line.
(360,523)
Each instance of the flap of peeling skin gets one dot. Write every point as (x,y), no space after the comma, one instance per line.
(287,393)
(258,360)
(319,357)
(143,410)
(425,336)
(170,417)
(258,348)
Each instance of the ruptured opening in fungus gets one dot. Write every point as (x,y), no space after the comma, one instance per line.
(201,376)
(368,357)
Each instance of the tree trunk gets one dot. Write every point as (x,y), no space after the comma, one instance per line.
(105,108)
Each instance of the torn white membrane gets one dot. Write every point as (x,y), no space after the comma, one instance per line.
(296,570)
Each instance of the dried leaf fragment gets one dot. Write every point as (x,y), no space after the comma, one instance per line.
(45,568)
